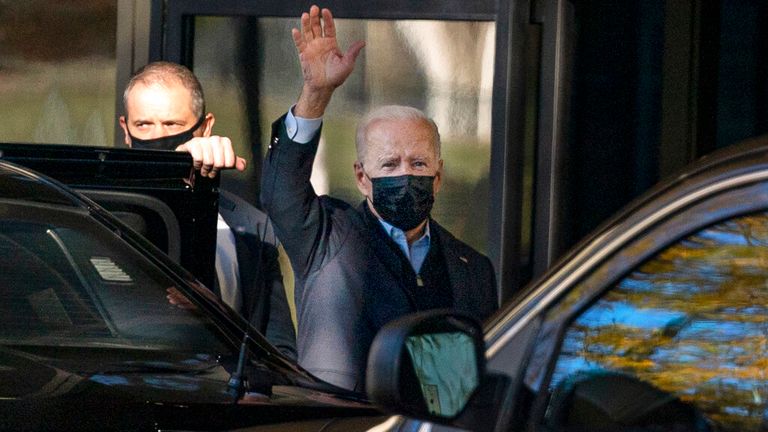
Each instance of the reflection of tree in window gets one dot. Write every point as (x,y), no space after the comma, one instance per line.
(693,321)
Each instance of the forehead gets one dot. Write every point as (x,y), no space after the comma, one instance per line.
(402,137)
(164,100)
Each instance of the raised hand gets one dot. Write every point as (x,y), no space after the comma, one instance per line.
(323,65)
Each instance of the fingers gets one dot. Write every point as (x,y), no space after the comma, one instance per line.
(212,154)
(227,159)
(298,40)
(328,26)
(312,28)
(176,298)
(208,161)
(220,157)
(314,21)
(306,29)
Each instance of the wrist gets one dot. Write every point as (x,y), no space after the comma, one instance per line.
(312,102)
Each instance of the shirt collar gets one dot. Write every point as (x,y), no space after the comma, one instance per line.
(394,232)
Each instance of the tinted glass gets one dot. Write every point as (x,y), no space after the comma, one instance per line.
(68,281)
(692,322)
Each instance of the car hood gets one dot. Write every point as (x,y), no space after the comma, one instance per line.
(38,393)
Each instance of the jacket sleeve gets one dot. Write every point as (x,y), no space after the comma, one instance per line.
(280,329)
(289,199)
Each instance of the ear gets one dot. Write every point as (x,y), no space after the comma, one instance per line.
(124,125)
(362,182)
(207,125)
(438,177)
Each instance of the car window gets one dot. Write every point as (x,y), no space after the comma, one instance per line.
(66,280)
(683,335)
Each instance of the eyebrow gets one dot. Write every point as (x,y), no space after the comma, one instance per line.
(387,158)
(166,121)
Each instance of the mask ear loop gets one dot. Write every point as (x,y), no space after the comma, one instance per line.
(369,199)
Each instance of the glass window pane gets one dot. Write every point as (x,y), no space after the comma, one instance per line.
(57,71)
(443,68)
(74,283)
(692,322)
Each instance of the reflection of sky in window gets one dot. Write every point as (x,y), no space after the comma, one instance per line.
(682,353)
(718,280)
(675,283)
(751,386)
(707,360)
(740,411)
(724,331)
(626,314)
(568,365)
(722,237)
(750,310)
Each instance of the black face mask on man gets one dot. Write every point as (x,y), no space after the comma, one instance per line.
(403,201)
(169,142)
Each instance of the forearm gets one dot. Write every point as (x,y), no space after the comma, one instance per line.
(287,194)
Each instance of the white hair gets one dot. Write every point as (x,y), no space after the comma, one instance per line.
(392,112)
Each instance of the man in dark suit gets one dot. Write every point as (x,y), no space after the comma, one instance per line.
(358,268)
(165,110)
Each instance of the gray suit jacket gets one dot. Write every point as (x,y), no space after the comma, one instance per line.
(348,285)
(265,304)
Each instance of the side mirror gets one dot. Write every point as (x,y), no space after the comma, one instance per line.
(426,365)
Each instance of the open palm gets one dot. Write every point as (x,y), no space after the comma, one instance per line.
(323,65)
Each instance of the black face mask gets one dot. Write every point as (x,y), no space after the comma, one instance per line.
(169,142)
(403,201)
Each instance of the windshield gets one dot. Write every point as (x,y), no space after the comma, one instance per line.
(66,280)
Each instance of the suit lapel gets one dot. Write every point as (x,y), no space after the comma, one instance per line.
(378,244)
(457,265)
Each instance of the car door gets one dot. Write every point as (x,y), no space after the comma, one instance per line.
(156,193)
(659,321)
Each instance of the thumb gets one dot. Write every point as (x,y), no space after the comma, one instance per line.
(353,51)
(240,164)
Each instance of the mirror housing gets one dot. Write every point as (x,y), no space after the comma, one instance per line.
(426,365)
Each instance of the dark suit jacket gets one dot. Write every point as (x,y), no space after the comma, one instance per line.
(265,304)
(347,283)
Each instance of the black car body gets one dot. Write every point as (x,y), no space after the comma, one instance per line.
(90,341)
(657,321)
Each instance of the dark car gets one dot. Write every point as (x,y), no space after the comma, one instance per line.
(90,339)
(657,322)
